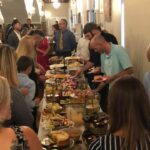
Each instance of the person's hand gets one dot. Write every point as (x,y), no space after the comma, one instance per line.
(78,72)
(95,91)
(44,54)
(42,78)
(24,91)
(37,101)
(99,88)
(95,70)
(42,70)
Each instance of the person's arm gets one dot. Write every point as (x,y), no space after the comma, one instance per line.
(42,70)
(72,41)
(30,96)
(127,71)
(87,66)
(79,46)
(39,50)
(145,81)
(21,115)
(83,49)
(10,40)
(110,79)
(47,50)
(33,141)
(24,91)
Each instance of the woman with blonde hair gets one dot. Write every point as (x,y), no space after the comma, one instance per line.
(27,47)
(21,115)
(17,137)
(129,110)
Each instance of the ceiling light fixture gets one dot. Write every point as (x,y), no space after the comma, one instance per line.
(1,4)
(56,4)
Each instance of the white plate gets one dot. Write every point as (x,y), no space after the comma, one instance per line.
(56,66)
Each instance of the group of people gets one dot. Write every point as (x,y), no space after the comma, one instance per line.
(107,57)
(14,110)
(20,73)
(123,96)
(128,110)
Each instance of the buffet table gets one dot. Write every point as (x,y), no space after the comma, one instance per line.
(65,103)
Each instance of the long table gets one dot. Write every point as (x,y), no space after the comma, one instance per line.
(80,108)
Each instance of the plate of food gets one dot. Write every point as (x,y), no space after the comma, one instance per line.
(99,78)
(74,66)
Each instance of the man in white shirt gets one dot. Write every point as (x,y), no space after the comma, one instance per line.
(83,49)
(14,37)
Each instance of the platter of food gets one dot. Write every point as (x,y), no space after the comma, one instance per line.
(73,58)
(97,123)
(51,120)
(57,76)
(56,66)
(73,132)
(89,137)
(62,139)
(74,66)
(58,140)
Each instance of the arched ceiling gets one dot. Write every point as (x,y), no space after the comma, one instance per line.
(50,1)
(16,9)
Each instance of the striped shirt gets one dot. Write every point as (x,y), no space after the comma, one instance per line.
(112,142)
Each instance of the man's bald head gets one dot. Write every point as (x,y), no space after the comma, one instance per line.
(97,43)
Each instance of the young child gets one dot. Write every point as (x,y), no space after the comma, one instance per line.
(24,66)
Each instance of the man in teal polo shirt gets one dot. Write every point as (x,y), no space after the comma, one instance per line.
(115,61)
